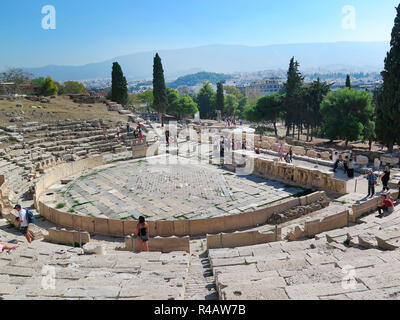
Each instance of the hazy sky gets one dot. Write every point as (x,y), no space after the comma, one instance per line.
(95,30)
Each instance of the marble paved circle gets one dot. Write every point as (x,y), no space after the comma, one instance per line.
(168,191)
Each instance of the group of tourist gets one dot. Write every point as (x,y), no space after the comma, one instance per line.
(223,144)
(137,133)
(288,158)
(346,163)
(373,181)
(229,121)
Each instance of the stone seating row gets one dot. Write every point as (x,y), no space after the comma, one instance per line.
(311,269)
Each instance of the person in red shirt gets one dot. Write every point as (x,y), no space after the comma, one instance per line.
(386,206)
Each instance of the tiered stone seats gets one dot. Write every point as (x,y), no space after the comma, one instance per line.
(311,269)
(115,275)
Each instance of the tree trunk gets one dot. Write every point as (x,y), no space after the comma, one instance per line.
(312,133)
(276,130)
(390,147)
(370,145)
(308,132)
(294,127)
(298,132)
(287,130)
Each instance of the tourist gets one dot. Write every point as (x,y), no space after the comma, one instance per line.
(335,161)
(128,129)
(257,150)
(346,164)
(280,152)
(350,169)
(291,154)
(386,206)
(167,135)
(5,246)
(105,133)
(142,232)
(135,134)
(23,222)
(222,148)
(244,145)
(385,177)
(117,132)
(287,158)
(140,135)
(371,183)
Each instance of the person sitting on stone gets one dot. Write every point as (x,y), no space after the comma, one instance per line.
(386,206)
(5,246)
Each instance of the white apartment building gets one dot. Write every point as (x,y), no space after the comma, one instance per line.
(262,88)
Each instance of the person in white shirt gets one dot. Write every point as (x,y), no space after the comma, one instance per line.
(24,224)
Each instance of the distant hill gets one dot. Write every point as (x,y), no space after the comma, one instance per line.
(199,78)
(313,57)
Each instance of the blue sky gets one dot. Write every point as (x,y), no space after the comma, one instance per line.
(95,30)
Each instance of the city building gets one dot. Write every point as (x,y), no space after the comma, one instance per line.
(261,88)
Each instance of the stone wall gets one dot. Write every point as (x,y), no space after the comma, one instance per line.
(158,244)
(67,237)
(302,176)
(242,239)
(331,222)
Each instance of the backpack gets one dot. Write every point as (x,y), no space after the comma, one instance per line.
(30,217)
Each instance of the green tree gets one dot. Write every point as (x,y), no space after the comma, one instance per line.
(119,85)
(268,109)
(242,104)
(348,81)
(388,96)
(180,106)
(346,113)
(235,91)
(220,100)
(72,87)
(147,98)
(230,105)
(160,103)
(187,107)
(312,97)
(206,101)
(293,101)
(49,88)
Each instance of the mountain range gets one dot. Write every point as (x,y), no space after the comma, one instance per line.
(313,57)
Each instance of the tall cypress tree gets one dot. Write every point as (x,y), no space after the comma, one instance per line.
(388,96)
(292,101)
(119,85)
(220,101)
(159,88)
(348,81)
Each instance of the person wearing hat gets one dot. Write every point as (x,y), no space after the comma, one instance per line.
(23,222)
(372,181)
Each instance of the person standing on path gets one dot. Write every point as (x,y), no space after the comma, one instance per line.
(371,183)
(142,232)
(23,222)
(280,152)
(385,177)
